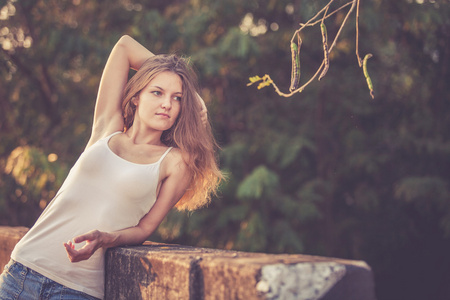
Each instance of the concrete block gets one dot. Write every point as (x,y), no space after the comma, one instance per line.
(160,271)
(9,237)
(136,273)
(265,276)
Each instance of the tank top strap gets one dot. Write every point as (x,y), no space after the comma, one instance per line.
(112,134)
(164,155)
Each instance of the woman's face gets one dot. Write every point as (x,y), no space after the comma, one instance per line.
(158,104)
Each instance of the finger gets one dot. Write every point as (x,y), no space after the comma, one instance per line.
(69,244)
(202,102)
(83,254)
(86,237)
(75,255)
(204,120)
(204,115)
(71,253)
(70,248)
(203,105)
(82,238)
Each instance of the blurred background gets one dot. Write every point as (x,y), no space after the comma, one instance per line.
(329,171)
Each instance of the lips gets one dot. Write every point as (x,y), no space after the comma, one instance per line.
(163,115)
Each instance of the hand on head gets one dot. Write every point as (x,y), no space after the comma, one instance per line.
(204,111)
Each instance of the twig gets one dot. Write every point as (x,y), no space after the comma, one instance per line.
(327,16)
(326,52)
(267,80)
(342,25)
(357,35)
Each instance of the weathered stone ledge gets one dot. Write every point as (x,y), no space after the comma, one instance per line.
(163,271)
(9,237)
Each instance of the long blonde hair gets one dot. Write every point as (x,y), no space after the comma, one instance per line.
(188,133)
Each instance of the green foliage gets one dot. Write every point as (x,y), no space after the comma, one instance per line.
(422,189)
(237,45)
(265,81)
(287,149)
(32,181)
(258,183)
(429,195)
(252,234)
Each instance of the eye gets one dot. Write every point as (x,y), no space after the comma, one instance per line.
(157,93)
(177,98)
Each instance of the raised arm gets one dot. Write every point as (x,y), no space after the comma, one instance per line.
(126,54)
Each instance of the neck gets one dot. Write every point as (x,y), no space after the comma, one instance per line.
(139,136)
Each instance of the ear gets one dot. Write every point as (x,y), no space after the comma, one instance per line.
(135,100)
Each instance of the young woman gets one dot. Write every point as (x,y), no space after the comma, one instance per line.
(151,148)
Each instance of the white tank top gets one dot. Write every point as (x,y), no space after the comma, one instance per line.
(102,191)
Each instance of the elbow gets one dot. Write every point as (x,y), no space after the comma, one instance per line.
(124,40)
(143,235)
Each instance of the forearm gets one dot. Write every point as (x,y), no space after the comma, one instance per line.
(129,236)
(96,239)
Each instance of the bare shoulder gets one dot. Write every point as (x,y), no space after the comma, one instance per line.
(176,157)
(175,163)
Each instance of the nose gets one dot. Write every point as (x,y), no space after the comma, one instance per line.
(167,102)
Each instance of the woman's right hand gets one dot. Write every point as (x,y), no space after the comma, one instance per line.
(94,240)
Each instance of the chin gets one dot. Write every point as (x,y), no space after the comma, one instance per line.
(163,128)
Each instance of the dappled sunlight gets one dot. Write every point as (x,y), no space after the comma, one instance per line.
(7,11)
(52,157)
(30,166)
(11,38)
(248,25)
(35,174)
(422,1)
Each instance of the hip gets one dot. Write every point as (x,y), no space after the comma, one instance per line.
(20,282)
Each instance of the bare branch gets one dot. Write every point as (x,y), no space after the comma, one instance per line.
(357,35)
(343,24)
(266,80)
(327,16)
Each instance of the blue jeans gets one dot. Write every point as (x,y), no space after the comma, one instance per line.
(18,282)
